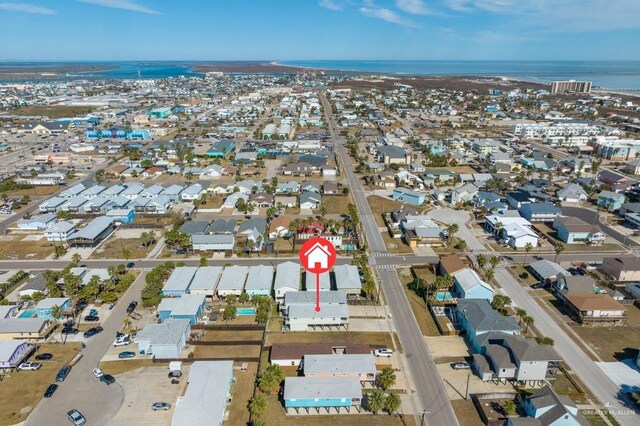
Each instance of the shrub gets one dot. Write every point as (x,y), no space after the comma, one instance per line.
(524,275)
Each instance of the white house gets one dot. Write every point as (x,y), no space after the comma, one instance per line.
(60,231)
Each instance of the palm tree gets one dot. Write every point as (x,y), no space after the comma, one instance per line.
(392,402)
(75,259)
(482,260)
(494,261)
(375,401)
(521,313)
(57,312)
(257,405)
(558,248)
(528,321)
(527,249)
(489,274)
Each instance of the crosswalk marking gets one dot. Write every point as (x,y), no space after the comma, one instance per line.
(386,267)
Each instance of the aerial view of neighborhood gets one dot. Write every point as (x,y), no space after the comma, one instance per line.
(274,242)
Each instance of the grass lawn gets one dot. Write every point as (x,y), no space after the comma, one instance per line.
(355,337)
(214,202)
(241,393)
(395,245)
(124,366)
(563,386)
(231,351)
(231,336)
(15,249)
(163,221)
(380,205)
(466,413)
(114,248)
(276,415)
(595,419)
(518,269)
(37,191)
(614,343)
(336,204)
(54,111)
(425,320)
(20,391)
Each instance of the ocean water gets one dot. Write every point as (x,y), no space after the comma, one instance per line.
(615,75)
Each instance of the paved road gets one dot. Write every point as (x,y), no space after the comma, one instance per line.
(430,389)
(81,390)
(596,380)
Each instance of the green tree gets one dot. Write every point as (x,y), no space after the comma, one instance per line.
(462,245)
(489,274)
(509,407)
(452,230)
(37,296)
(494,261)
(528,322)
(392,402)
(257,405)
(76,259)
(375,401)
(229,312)
(243,298)
(57,312)
(64,215)
(482,260)
(527,248)
(521,313)
(545,341)
(203,261)
(558,248)
(500,301)
(386,378)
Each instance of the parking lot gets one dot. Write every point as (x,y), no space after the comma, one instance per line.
(143,387)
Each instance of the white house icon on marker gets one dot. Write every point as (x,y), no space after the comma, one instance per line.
(317,254)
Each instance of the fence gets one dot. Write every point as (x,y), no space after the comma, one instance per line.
(192,360)
(228,327)
(477,402)
(226,343)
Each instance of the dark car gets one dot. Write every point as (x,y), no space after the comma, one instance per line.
(50,390)
(130,265)
(132,307)
(43,357)
(92,318)
(70,330)
(107,378)
(126,354)
(92,331)
(63,373)
(175,373)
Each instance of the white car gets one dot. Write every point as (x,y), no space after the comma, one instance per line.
(29,366)
(122,341)
(98,373)
(384,352)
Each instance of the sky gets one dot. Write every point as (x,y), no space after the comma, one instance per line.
(111,30)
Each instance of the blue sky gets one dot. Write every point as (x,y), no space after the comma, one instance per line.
(319,29)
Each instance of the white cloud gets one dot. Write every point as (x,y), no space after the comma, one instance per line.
(388,15)
(329,4)
(123,4)
(26,8)
(414,7)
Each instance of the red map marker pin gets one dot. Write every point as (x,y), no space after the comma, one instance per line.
(317,256)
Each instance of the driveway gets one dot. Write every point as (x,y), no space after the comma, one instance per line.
(450,216)
(81,390)
(143,387)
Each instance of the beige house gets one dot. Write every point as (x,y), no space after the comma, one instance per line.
(622,268)
(31,329)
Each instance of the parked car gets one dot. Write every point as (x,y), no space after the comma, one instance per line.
(460,365)
(43,357)
(91,318)
(29,366)
(107,378)
(70,330)
(98,373)
(130,265)
(63,373)
(122,341)
(76,417)
(384,352)
(175,373)
(50,390)
(126,354)
(132,307)
(160,406)
(92,331)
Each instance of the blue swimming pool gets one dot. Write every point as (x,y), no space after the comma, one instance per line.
(444,296)
(245,311)
(27,313)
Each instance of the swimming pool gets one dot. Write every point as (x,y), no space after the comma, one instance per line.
(444,296)
(245,311)
(27,313)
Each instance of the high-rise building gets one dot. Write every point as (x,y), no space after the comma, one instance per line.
(571,86)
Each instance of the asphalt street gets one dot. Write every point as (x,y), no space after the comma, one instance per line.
(430,391)
(81,390)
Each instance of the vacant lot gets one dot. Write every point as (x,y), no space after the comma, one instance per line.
(466,413)
(395,245)
(241,393)
(376,339)
(380,205)
(232,351)
(53,111)
(20,391)
(35,191)
(336,204)
(615,343)
(122,366)
(115,248)
(424,318)
(11,248)
(231,336)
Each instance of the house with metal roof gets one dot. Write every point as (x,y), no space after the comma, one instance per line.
(259,280)
(205,280)
(96,205)
(310,200)
(232,280)
(347,279)
(301,394)
(165,340)
(173,192)
(45,306)
(179,281)
(572,193)
(287,279)
(37,222)
(52,205)
(546,271)
(324,280)
(152,191)
(92,234)
(540,212)
(74,204)
(362,366)
(214,243)
(477,317)
(469,285)
(188,306)
(14,352)
(72,191)
(192,192)
(207,395)
(92,192)
(32,329)
(300,314)
(113,191)
(408,196)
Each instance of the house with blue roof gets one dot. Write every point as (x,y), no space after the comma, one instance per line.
(408,196)
(188,306)
(45,306)
(611,201)
(220,148)
(469,285)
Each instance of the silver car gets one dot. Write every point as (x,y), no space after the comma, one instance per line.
(76,418)
(160,406)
